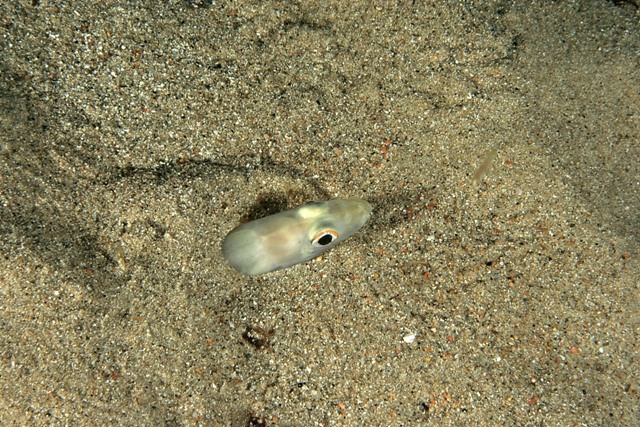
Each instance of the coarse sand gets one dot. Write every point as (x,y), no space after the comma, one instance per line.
(496,283)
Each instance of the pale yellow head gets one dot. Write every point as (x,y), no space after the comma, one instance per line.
(294,236)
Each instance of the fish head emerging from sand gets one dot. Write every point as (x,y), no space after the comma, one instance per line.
(294,236)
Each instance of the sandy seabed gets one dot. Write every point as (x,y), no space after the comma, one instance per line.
(135,135)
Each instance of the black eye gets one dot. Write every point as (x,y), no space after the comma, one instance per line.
(324,237)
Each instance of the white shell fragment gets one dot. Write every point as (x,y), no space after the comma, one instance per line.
(409,338)
(294,236)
